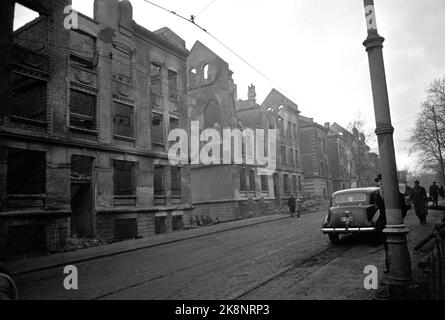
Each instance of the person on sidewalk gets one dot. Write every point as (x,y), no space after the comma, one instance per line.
(442,191)
(292,205)
(420,200)
(434,194)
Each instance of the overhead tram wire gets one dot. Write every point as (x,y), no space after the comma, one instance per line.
(225,46)
(205,8)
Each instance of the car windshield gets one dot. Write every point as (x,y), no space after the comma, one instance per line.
(350,197)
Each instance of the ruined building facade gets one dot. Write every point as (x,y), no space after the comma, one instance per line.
(84,126)
(317,177)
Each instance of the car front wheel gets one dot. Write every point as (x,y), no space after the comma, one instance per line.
(334,237)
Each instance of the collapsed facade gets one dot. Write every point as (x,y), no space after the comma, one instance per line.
(84,127)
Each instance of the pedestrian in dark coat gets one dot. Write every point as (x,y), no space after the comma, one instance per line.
(420,200)
(441,191)
(292,205)
(434,194)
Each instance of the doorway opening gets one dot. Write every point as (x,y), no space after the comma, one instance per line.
(81,197)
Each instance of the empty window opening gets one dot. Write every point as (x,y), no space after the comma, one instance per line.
(172,85)
(82,110)
(26,172)
(175,176)
(23,15)
(264,183)
(283,154)
(157,130)
(193,78)
(286,183)
(297,159)
(155,79)
(252,180)
(291,157)
(206,72)
(159,180)
(243,181)
(82,47)
(124,178)
(28,98)
(294,183)
(123,120)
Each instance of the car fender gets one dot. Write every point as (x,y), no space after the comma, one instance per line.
(325,221)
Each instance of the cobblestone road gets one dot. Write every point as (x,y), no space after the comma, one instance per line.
(258,261)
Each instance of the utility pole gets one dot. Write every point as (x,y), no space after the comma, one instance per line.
(400,276)
(439,146)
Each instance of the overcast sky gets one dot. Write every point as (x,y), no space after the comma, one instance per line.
(313,50)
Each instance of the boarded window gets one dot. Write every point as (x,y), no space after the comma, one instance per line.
(82,110)
(243,182)
(252,180)
(155,79)
(175,181)
(159,180)
(123,120)
(286,183)
(124,178)
(26,172)
(264,183)
(172,85)
(28,98)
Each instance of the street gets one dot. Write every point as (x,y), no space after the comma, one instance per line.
(261,261)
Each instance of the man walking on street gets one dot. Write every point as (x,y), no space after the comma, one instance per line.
(434,194)
(420,200)
(292,206)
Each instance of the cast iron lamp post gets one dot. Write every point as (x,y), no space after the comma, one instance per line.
(400,278)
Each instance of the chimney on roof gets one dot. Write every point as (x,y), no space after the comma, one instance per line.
(327,125)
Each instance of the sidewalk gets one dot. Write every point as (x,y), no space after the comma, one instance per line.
(27,265)
(343,277)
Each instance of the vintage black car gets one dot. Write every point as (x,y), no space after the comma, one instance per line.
(354,211)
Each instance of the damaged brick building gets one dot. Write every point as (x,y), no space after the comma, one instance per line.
(84,120)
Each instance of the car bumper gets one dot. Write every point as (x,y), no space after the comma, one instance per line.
(348,230)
